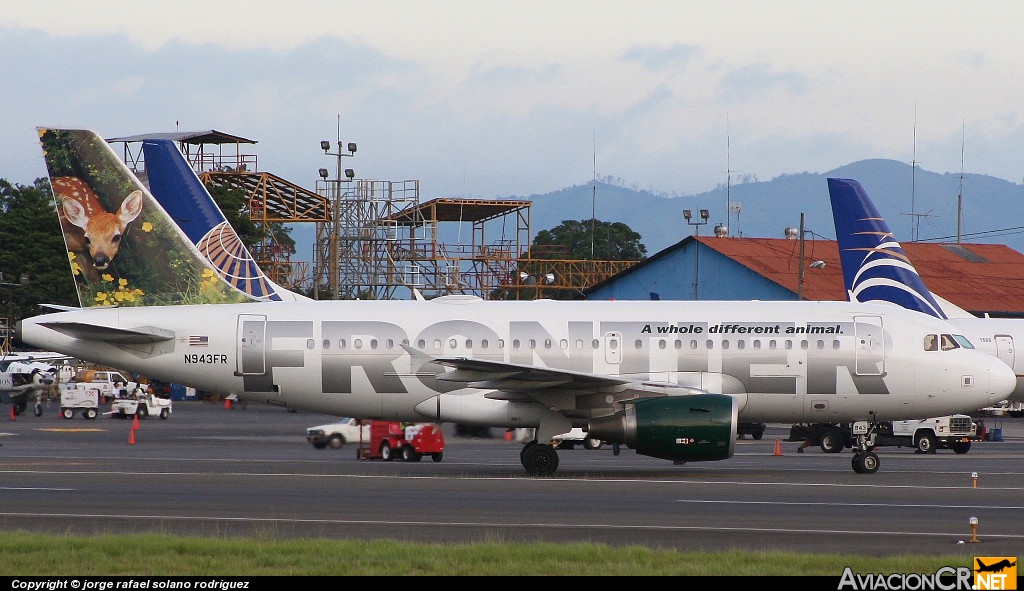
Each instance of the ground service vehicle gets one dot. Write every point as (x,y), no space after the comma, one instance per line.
(953,432)
(108,384)
(84,399)
(337,434)
(389,440)
(143,404)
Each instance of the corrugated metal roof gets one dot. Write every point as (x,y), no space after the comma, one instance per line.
(979,278)
(209,136)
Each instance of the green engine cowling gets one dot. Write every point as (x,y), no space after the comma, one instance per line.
(696,428)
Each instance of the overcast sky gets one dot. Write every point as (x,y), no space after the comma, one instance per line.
(485,99)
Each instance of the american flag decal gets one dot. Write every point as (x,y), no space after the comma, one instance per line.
(198,341)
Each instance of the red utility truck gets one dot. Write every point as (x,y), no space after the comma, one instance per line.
(390,440)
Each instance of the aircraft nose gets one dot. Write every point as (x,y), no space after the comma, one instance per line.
(1002,381)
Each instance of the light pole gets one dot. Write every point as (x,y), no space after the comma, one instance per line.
(804,267)
(688,216)
(333,271)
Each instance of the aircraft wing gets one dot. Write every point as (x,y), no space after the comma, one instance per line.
(546,384)
(107,334)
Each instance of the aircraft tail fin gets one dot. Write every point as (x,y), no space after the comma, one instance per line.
(174,184)
(875,267)
(124,249)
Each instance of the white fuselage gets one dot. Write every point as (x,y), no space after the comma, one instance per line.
(783,361)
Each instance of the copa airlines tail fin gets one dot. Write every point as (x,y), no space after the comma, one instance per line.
(875,268)
(175,185)
(123,247)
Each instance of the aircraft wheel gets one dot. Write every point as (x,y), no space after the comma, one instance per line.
(865,463)
(386,453)
(540,460)
(832,441)
(522,452)
(67,413)
(925,443)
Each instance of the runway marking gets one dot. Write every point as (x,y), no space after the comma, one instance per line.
(47,488)
(73,430)
(846,504)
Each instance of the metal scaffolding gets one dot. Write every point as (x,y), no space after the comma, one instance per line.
(374,239)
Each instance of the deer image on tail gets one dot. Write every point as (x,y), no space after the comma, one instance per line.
(90,231)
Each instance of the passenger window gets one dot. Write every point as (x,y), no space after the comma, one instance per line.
(638,344)
(327,344)
(835,344)
(930,344)
(483,343)
(662,344)
(309,343)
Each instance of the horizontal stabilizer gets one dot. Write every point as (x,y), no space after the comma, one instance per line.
(107,334)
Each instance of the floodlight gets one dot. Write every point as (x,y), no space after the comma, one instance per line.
(325,145)
(323,173)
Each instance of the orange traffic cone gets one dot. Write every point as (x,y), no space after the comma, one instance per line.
(227,404)
(778,447)
(131,437)
(135,423)
(508,434)
(13,414)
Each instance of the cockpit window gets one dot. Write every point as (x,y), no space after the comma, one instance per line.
(931,343)
(963,341)
(948,342)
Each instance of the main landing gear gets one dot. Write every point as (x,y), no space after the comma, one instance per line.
(539,459)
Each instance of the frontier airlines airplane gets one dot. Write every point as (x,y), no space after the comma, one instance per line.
(670,379)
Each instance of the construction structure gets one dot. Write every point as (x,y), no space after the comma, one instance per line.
(375,239)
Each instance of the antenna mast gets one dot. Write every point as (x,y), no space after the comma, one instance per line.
(913,177)
(728,177)
(593,201)
(960,196)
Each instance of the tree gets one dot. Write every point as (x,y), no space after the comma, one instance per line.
(33,250)
(589,240)
(583,240)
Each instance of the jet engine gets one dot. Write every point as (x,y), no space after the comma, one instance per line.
(695,428)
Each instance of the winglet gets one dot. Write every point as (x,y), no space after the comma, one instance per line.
(875,268)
